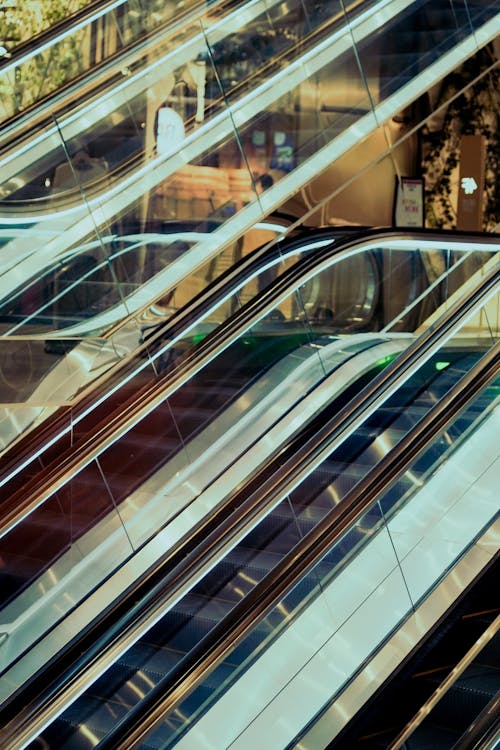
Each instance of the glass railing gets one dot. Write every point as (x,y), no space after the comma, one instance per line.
(107,256)
(56,44)
(186,139)
(189,71)
(461,711)
(89,517)
(334,620)
(391,288)
(332,623)
(67,379)
(17,31)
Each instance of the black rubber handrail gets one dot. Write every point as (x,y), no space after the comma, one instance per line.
(184,562)
(45,36)
(28,447)
(484,724)
(31,496)
(13,128)
(105,74)
(484,732)
(267,593)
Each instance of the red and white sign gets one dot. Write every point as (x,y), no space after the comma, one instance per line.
(409,202)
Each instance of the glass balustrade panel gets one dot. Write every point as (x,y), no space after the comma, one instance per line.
(377,573)
(67,52)
(47,558)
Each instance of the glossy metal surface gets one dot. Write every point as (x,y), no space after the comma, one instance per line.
(305,659)
(81,543)
(83,282)
(81,37)
(165,178)
(399,645)
(367,557)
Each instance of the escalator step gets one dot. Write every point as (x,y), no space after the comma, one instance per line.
(460,706)
(237,574)
(432,738)
(135,673)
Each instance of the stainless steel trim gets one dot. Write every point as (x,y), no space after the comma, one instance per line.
(388,381)
(265,595)
(306,554)
(447,683)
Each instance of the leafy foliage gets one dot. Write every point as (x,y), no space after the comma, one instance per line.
(47,70)
(474,91)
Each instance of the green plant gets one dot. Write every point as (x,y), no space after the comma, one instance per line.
(48,70)
(473,93)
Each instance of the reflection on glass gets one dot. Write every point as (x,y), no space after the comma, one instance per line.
(51,61)
(45,557)
(141,158)
(200,427)
(408,521)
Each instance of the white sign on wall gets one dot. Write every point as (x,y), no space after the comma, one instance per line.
(409,202)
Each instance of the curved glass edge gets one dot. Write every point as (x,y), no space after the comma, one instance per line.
(378,573)
(392,291)
(113,274)
(41,376)
(56,45)
(373,574)
(150,478)
(238,180)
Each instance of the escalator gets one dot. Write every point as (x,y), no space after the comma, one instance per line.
(236,395)
(360,292)
(123,383)
(164,646)
(88,37)
(123,268)
(322,472)
(459,660)
(113,205)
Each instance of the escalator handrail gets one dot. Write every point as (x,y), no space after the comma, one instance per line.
(20,504)
(70,94)
(170,329)
(446,685)
(82,16)
(267,593)
(484,732)
(219,125)
(35,115)
(228,633)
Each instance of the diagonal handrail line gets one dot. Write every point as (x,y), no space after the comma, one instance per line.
(59,30)
(26,501)
(109,73)
(70,92)
(248,214)
(270,591)
(446,685)
(219,535)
